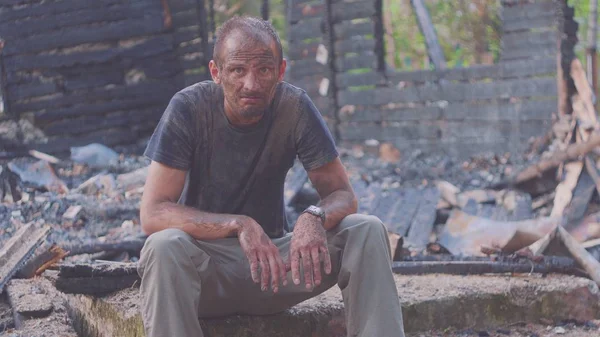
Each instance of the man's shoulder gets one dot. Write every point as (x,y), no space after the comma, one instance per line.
(291,91)
(199,93)
(291,97)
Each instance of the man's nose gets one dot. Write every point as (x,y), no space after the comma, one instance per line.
(251,82)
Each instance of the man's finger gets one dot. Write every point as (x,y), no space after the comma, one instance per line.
(253,266)
(314,253)
(295,265)
(326,259)
(306,261)
(264,273)
(282,268)
(274,267)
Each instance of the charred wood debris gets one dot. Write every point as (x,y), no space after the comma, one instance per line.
(73,220)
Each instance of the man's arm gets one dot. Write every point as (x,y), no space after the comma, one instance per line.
(159,208)
(310,240)
(337,196)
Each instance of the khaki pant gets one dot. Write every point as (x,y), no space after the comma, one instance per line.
(184,279)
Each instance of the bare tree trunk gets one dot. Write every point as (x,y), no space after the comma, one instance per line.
(592,59)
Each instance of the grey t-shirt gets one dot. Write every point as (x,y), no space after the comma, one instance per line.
(240,170)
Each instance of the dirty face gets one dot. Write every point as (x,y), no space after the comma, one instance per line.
(249,72)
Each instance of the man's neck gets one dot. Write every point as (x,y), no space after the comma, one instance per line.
(239,120)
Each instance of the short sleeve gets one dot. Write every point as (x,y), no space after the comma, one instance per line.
(314,142)
(172,142)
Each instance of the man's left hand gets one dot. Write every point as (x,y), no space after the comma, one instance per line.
(309,243)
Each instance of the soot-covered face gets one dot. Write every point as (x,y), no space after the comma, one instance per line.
(249,70)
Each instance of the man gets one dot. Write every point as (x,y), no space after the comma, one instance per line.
(213,203)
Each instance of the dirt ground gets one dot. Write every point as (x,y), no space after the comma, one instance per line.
(567,329)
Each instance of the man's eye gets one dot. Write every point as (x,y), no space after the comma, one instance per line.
(238,70)
(264,70)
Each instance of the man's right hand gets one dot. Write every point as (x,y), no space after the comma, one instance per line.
(261,252)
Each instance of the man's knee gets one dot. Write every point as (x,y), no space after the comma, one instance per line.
(165,247)
(369,224)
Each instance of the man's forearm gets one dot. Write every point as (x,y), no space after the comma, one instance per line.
(337,206)
(200,225)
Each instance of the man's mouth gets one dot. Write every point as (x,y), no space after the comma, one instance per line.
(251,99)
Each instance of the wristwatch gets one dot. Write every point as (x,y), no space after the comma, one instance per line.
(316,210)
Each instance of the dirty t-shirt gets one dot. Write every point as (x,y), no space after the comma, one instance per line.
(240,170)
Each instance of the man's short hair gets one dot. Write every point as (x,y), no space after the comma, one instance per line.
(247,24)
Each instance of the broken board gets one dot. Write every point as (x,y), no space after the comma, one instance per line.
(515,206)
(19,248)
(407,212)
(96,279)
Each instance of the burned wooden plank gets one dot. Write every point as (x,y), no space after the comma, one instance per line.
(540,22)
(186,36)
(582,256)
(6,314)
(345,80)
(117,12)
(87,124)
(83,270)
(436,54)
(307,29)
(506,70)
(527,11)
(96,285)
(525,53)
(529,40)
(582,195)
(348,29)
(24,91)
(301,50)
(478,267)
(19,249)
(73,37)
(99,108)
(308,67)
(362,60)
(465,234)
(41,262)
(153,46)
(147,89)
(57,7)
(307,11)
(343,11)
(397,208)
(422,222)
(129,245)
(530,110)
(353,44)
(398,131)
(93,81)
(454,92)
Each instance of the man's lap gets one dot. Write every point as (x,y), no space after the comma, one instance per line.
(227,286)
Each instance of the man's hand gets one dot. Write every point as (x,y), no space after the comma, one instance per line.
(309,242)
(261,251)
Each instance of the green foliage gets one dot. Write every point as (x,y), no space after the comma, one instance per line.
(582,15)
(468,32)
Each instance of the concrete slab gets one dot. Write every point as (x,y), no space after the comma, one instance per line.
(429,302)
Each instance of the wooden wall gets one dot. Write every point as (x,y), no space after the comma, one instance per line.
(103,70)
(460,111)
(97,70)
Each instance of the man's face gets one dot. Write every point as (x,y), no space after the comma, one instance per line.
(249,73)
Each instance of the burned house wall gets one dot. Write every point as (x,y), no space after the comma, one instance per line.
(460,111)
(97,71)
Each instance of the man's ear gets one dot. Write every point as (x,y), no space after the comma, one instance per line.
(214,71)
(282,69)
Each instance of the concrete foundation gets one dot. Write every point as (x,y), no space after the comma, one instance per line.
(429,302)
